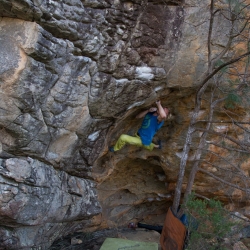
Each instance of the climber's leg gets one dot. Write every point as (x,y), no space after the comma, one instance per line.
(132,140)
(149,147)
(127,139)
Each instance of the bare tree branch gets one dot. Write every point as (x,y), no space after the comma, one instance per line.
(219,122)
(199,150)
(233,214)
(239,143)
(209,76)
(210,32)
(226,160)
(234,172)
(247,190)
(245,129)
(203,84)
(228,148)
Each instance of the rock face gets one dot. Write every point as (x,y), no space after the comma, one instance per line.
(44,201)
(73,75)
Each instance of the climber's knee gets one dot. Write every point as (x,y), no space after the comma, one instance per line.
(123,137)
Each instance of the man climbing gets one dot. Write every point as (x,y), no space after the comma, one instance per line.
(152,122)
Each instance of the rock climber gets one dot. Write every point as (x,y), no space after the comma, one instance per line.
(152,122)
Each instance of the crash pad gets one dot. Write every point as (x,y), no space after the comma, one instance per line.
(122,244)
(173,232)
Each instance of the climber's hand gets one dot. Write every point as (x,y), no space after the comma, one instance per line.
(158,102)
(152,109)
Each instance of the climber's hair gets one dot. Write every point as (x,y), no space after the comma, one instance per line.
(168,110)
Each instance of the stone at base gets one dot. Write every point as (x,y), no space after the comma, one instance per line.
(239,246)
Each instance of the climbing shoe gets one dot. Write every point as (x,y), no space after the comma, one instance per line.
(160,145)
(111,149)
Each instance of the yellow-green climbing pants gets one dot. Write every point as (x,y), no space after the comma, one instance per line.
(132,140)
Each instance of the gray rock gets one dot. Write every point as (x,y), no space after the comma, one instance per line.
(35,196)
(73,76)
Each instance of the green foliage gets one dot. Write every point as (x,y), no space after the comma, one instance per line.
(232,99)
(218,63)
(223,143)
(211,225)
(235,94)
(236,6)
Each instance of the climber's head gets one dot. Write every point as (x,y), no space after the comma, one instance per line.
(167,110)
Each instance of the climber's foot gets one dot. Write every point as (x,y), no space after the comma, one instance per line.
(111,149)
(159,144)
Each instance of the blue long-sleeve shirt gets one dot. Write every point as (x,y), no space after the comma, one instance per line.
(149,127)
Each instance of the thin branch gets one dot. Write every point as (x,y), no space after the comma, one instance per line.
(227,46)
(240,143)
(220,168)
(231,213)
(209,76)
(245,129)
(223,181)
(201,145)
(203,83)
(242,29)
(228,148)
(235,122)
(248,61)
(223,158)
(210,33)
(228,112)
(201,196)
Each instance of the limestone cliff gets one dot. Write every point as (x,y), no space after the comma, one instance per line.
(73,76)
